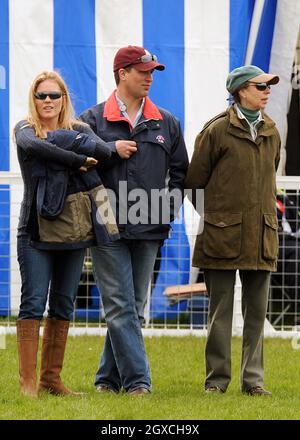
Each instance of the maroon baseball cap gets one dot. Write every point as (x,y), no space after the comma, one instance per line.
(138,57)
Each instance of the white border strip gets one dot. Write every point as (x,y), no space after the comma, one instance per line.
(149,333)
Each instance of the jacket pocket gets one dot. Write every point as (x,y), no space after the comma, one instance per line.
(270,237)
(222,234)
(154,138)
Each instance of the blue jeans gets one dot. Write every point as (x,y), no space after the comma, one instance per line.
(39,269)
(122,270)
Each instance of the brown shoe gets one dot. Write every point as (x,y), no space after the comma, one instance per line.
(105,389)
(214,389)
(258,391)
(138,392)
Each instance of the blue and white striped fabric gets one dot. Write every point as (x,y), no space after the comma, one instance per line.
(199,41)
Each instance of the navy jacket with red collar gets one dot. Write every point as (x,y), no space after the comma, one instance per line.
(160,164)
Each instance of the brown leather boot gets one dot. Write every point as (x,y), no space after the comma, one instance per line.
(53,351)
(28,344)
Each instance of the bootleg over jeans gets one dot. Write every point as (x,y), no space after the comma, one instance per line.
(38,268)
(122,271)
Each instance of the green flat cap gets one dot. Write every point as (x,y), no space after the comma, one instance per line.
(240,75)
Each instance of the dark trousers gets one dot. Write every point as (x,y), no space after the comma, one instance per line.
(255,290)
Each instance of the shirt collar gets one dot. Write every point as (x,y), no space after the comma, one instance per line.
(242,116)
(112,111)
(124,113)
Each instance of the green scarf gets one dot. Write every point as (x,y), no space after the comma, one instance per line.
(250,115)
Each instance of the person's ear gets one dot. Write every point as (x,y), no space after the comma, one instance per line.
(122,74)
(242,94)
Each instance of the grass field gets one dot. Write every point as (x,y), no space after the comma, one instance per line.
(177,366)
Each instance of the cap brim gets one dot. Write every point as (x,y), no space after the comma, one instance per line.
(267,78)
(143,67)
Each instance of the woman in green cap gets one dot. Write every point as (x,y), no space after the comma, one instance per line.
(235,161)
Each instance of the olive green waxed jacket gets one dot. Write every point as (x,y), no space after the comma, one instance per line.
(238,176)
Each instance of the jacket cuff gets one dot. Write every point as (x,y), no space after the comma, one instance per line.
(78,161)
(112,146)
(93,146)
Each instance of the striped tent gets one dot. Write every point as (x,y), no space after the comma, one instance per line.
(199,41)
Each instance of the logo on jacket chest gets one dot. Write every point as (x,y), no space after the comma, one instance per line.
(160,139)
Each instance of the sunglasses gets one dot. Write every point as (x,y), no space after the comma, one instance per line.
(52,95)
(147,58)
(260,86)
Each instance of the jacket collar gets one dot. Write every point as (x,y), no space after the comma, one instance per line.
(265,129)
(112,111)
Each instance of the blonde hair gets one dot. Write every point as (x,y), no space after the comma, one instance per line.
(66,117)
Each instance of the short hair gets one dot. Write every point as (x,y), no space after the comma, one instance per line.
(117,76)
(236,96)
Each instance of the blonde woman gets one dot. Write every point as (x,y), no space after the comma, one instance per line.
(57,222)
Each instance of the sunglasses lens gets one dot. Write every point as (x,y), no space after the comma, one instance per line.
(52,95)
(261,87)
(148,58)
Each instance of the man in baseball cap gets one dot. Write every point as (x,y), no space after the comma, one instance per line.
(155,160)
(138,57)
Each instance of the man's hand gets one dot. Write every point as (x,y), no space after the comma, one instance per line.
(125,149)
(90,162)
